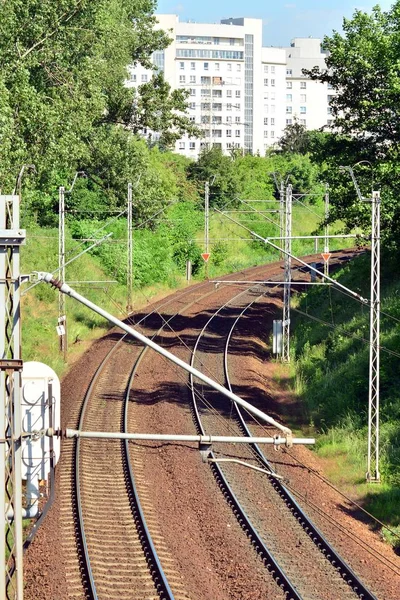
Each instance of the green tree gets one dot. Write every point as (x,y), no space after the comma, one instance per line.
(62,90)
(220,170)
(295,139)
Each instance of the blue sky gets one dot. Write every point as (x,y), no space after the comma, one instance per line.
(282,20)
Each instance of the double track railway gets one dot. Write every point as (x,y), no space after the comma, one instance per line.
(119,540)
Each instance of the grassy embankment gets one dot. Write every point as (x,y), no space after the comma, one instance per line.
(159,267)
(331,361)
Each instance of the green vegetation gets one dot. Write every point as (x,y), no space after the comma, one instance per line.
(331,352)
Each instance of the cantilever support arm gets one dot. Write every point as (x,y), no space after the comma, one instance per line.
(66,289)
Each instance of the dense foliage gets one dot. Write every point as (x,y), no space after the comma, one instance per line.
(363,67)
(63,103)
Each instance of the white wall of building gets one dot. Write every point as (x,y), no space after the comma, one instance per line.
(241,94)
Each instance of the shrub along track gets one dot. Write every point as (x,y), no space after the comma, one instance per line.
(191,526)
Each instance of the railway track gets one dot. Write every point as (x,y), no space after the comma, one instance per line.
(278,550)
(113,479)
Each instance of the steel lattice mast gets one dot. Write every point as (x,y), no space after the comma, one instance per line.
(287,267)
(11,544)
(373,473)
(129,276)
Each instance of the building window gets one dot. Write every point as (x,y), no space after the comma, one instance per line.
(216,66)
(265,68)
(288,72)
(205,80)
(289,110)
(206,66)
(237,119)
(265,120)
(192,119)
(229,93)
(272,134)
(289,85)
(237,132)
(237,106)
(288,97)
(303,98)
(229,106)
(192,145)
(303,85)
(193,79)
(265,81)
(303,110)
(229,66)
(192,91)
(272,120)
(182,79)
(238,67)
(273,82)
(229,119)
(217,93)
(266,95)
(229,133)
(192,105)
(144,78)
(289,121)
(193,66)
(265,134)
(217,133)
(330,86)
(272,70)
(329,110)
(237,93)
(303,122)
(217,120)
(181,145)
(330,122)
(181,65)
(205,93)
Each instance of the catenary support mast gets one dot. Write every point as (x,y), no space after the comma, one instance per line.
(287,267)
(373,474)
(11,542)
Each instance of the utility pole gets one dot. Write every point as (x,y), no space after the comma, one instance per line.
(11,538)
(373,474)
(62,317)
(326,244)
(206,220)
(287,268)
(281,212)
(129,277)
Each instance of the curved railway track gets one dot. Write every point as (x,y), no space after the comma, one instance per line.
(123,550)
(279,552)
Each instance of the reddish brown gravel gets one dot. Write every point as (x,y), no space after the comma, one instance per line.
(210,552)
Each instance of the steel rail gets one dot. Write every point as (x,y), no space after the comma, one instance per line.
(158,574)
(309,527)
(85,566)
(269,560)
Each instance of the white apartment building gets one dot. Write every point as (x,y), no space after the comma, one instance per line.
(242,95)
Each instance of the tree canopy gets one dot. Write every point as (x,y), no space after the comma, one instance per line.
(64,105)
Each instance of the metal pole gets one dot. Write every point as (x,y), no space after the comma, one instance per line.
(167,437)
(206,220)
(62,317)
(326,243)
(129,276)
(66,289)
(11,545)
(287,267)
(373,474)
